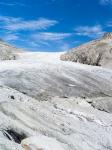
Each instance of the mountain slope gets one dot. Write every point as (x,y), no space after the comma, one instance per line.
(8,52)
(98,52)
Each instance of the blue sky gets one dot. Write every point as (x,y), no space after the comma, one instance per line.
(53,25)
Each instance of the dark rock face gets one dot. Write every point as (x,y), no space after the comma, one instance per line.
(97,53)
(13,135)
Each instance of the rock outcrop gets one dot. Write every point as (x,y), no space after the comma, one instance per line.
(97,53)
(7,51)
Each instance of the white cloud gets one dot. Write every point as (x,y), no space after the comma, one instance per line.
(50,36)
(12,4)
(9,20)
(7,4)
(105,2)
(65,47)
(32,25)
(10,37)
(109,24)
(89,31)
(34,29)
(16,24)
(48,39)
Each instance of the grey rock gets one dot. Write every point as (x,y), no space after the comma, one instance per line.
(97,53)
(7,51)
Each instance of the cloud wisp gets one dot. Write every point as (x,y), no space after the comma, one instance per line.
(109,24)
(50,36)
(105,2)
(46,38)
(33,33)
(18,24)
(12,4)
(89,31)
(10,37)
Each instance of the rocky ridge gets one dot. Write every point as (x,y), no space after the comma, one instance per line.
(7,51)
(97,53)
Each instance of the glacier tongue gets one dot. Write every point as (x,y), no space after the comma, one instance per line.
(49,104)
